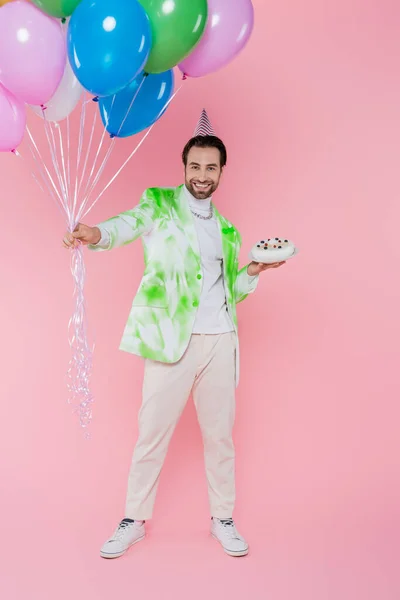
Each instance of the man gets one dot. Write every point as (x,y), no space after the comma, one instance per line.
(183,323)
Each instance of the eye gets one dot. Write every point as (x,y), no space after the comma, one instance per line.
(211,168)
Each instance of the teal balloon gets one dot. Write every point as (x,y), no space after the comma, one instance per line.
(137,106)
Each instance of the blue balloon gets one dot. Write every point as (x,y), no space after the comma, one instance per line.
(109,42)
(137,106)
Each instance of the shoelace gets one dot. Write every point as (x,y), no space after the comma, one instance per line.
(122,527)
(229,528)
(228,522)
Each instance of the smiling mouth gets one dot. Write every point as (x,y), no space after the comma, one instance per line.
(201,187)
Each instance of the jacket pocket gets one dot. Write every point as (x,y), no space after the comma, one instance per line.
(140,302)
(152,292)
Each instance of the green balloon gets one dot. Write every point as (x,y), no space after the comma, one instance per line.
(176,27)
(57,8)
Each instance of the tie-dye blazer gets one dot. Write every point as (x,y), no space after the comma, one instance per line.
(161,319)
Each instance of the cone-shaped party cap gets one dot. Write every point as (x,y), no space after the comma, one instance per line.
(204,126)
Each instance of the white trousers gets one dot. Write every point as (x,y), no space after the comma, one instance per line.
(207,369)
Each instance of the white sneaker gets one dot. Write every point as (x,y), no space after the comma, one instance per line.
(226,533)
(127,533)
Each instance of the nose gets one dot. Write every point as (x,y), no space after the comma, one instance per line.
(203,175)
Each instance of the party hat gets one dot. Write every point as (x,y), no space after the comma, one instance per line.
(204,126)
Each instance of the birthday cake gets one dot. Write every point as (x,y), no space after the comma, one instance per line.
(273,250)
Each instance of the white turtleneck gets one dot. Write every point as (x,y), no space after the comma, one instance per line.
(212,315)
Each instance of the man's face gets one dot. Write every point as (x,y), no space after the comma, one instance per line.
(203,172)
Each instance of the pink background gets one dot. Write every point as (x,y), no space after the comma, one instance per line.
(311,116)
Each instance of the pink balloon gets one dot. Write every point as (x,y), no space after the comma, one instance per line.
(32,52)
(12,120)
(228,30)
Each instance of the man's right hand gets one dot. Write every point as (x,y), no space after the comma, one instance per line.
(82,235)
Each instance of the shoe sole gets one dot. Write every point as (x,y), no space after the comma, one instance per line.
(118,554)
(240,553)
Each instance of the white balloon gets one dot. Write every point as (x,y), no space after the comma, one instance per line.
(65,98)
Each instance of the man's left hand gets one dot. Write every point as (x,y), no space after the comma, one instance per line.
(256,268)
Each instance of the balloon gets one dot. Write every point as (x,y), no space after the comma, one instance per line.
(64,100)
(57,8)
(228,30)
(176,27)
(2,2)
(12,120)
(32,52)
(131,111)
(108,44)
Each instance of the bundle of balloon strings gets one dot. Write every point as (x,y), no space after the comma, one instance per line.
(71,187)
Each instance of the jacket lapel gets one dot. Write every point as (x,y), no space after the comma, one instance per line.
(184,219)
(228,237)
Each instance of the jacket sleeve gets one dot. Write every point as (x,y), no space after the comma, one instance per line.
(127,226)
(245,284)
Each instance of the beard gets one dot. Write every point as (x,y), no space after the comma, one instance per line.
(201,190)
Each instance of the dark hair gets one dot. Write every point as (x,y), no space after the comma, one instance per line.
(205,141)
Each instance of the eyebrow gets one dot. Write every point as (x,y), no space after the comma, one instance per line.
(198,164)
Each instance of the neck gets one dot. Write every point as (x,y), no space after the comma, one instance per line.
(203,204)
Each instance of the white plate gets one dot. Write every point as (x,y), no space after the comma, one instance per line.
(270,262)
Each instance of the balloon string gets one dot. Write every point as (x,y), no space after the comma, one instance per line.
(129,157)
(98,175)
(44,178)
(45,167)
(117,173)
(68,154)
(81,363)
(88,184)
(54,161)
(88,151)
(60,139)
(130,106)
(38,164)
(54,146)
(62,179)
(73,222)
(56,166)
(110,149)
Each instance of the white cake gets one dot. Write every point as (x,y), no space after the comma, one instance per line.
(273,250)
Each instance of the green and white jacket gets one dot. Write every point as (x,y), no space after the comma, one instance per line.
(163,311)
